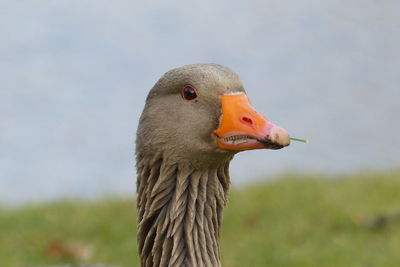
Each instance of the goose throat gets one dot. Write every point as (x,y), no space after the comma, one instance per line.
(179,213)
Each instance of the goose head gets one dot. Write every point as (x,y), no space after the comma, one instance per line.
(200,114)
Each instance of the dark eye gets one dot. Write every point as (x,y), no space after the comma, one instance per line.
(189,93)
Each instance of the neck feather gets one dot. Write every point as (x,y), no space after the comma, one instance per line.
(179,213)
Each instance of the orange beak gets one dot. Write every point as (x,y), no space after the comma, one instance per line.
(242,128)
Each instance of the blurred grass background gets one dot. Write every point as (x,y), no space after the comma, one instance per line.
(291,221)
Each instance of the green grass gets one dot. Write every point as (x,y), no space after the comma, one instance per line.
(292,221)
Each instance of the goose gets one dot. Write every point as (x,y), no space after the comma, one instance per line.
(195,119)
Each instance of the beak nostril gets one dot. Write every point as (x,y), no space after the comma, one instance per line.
(247,120)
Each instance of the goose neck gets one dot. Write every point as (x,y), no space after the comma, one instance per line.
(179,213)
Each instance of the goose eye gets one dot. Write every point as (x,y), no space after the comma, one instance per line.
(189,93)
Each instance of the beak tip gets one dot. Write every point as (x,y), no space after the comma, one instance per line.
(279,136)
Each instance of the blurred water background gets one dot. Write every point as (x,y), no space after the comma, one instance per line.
(74,76)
